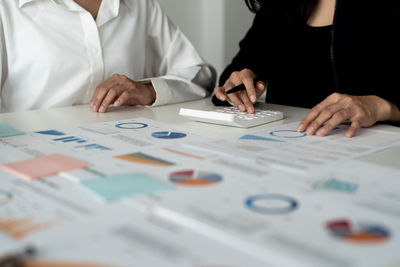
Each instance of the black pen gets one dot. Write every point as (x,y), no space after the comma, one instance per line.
(240,87)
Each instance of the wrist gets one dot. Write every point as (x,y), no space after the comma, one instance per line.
(387,111)
(394,112)
(152,93)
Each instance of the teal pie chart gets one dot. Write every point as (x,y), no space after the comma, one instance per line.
(168,135)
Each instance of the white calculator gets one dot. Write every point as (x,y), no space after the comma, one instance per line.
(232,116)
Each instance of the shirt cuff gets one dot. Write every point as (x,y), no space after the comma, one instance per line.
(163,94)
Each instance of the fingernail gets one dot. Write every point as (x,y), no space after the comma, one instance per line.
(117,103)
(321,132)
(94,108)
(241,107)
(310,130)
(301,128)
(102,109)
(253,98)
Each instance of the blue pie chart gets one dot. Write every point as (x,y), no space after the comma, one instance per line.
(168,135)
(287,134)
(271,204)
(131,125)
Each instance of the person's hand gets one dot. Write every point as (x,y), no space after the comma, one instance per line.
(243,99)
(120,90)
(361,111)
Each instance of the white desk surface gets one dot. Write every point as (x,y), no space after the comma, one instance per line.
(59,118)
(36,120)
(56,118)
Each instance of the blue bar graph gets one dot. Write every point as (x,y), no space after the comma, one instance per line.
(94,147)
(69,139)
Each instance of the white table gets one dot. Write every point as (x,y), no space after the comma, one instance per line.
(57,118)
(36,120)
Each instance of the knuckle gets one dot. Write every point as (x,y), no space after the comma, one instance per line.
(102,90)
(359,118)
(355,124)
(329,126)
(220,90)
(124,77)
(327,112)
(245,72)
(305,121)
(235,74)
(341,115)
(335,97)
(315,110)
(347,99)
(112,91)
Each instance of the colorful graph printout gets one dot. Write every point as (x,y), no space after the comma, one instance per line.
(70,139)
(336,185)
(131,125)
(6,130)
(193,178)
(274,204)
(362,233)
(51,132)
(142,158)
(258,138)
(287,134)
(123,185)
(44,166)
(168,135)
(21,228)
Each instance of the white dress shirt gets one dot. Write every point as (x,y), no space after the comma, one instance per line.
(53,53)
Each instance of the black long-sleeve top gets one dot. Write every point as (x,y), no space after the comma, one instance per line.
(358,55)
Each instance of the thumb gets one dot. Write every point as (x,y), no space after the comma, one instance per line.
(260,88)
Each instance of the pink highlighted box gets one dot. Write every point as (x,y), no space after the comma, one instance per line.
(41,167)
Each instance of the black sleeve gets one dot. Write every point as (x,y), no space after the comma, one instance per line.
(253,54)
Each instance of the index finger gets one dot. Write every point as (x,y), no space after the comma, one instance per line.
(106,84)
(314,113)
(248,81)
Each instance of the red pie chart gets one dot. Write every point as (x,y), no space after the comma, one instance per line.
(361,233)
(193,178)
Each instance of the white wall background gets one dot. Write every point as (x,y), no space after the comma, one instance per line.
(215,27)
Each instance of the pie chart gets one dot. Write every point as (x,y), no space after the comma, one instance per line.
(361,233)
(273,204)
(287,134)
(131,125)
(168,135)
(193,178)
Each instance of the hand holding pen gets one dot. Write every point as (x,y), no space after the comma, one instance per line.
(242,89)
